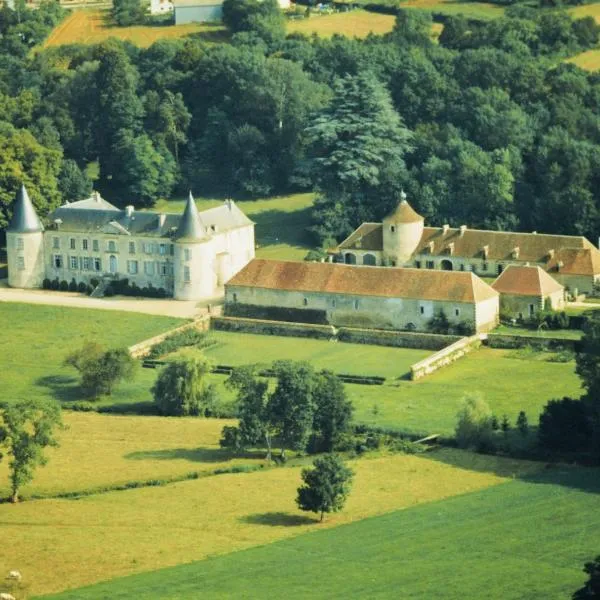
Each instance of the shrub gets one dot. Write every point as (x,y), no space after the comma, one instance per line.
(73,285)
(464,328)
(94,282)
(82,287)
(109,291)
(180,339)
(54,284)
(46,284)
(565,426)
(63,286)
(474,424)
(439,323)
(88,289)
(522,423)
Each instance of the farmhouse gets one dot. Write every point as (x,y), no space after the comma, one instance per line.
(526,290)
(396,298)
(190,256)
(403,240)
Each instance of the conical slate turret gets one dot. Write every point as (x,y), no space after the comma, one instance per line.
(24,219)
(190,227)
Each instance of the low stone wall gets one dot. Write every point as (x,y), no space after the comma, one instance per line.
(244,325)
(500,340)
(445,356)
(400,339)
(141,349)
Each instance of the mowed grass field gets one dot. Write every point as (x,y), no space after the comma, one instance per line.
(521,540)
(37,338)
(94,27)
(281,222)
(356,23)
(62,544)
(474,10)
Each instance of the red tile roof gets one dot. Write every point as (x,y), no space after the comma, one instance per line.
(416,284)
(404,213)
(518,280)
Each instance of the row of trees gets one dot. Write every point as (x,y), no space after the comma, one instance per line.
(486,114)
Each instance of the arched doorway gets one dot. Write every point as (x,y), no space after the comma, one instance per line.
(349,258)
(446,265)
(113,263)
(369,259)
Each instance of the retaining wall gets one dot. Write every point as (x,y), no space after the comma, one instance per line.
(244,325)
(400,339)
(497,340)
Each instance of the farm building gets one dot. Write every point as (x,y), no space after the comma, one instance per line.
(396,298)
(160,7)
(190,256)
(403,240)
(526,290)
(197,11)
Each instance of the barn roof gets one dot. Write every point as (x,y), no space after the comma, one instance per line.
(517,280)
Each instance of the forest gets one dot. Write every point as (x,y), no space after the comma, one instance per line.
(489,126)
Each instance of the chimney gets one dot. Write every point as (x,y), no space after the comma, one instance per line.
(129,211)
(560,265)
(451,248)
(551,254)
(431,247)
(161,220)
(486,251)
(463,228)
(515,252)
(445,228)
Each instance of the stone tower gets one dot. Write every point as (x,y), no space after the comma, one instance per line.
(194,269)
(25,245)
(402,232)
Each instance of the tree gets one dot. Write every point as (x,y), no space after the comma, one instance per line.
(291,405)
(591,589)
(474,424)
(522,423)
(357,145)
(262,17)
(565,425)
(128,12)
(101,369)
(27,427)
(333,411)
(73,183)
(326,486)
(182,389)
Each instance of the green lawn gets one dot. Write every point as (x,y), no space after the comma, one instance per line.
(281,222)
(565,334)
(37,338)
(526,539)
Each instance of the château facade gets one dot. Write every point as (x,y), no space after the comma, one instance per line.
(190,256)
(403,240)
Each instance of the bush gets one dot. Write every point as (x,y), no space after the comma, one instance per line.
(464,328)
(474,425)
(186,338)
(109,291)
(54,284)
(73,285)
(88,289)
(63,286)
(46,284)
(82,287)
(439,323)
(565,426)
(94,282)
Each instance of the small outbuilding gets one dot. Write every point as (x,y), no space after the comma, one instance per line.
(526,290)
(198,11)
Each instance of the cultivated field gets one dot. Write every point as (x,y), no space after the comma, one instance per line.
(473,10)
(588,60)
(357,23)
(37,338)
(281,222)
(524,539)
(93,27)
(69,543)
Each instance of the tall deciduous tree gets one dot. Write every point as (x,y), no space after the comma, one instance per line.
(326,486)
(357,146)
(591,589)
(27,428)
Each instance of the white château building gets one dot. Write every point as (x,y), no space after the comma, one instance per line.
(190,256)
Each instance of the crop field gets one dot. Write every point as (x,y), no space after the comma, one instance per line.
(37,338)
(356,23)
(93,27)
(588,60)
(281,222)
(69,543)
(98,451)
(523,539)
(473,10)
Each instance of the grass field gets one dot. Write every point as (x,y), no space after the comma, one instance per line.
(61,544)
(521,540)
(37,338)
(93,27)
(588,60)
(281,222)
(473,10)
(356,23)
(565,334)
(99,450)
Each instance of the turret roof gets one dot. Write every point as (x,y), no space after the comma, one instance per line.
(191,228)
(404,213)
(24,219)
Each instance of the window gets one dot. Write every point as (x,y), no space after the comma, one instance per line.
(356,305)
(531,310)
(418,264)
(430,264)
(393,229)
(422,310)
(333,302)
(171,249)
(457,312)
(112,246)
(162,249)
(20,263)
(84,244)
(462,267)
(163,268)
(132,267)
(95,245)
(86,263)
(97,264)
(58,263)
(500,269)
(186,254)
(187,279)
(56,243)
(485,266)
(20,244)
(234,297)
(148,268)
(305,302)
(72,243)
(148,248)
(73,262)
(131,247)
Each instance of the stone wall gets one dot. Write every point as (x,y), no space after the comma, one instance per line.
(497,340)
(446,356)
(243,325)
(399,339)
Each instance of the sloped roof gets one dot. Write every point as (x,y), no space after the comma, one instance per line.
(24,219)
(191,228)
(416,284)
(573,261)
(518,280)
(369,236)
(404,213)
(94,202)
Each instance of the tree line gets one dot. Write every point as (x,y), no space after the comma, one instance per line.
(489,127)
